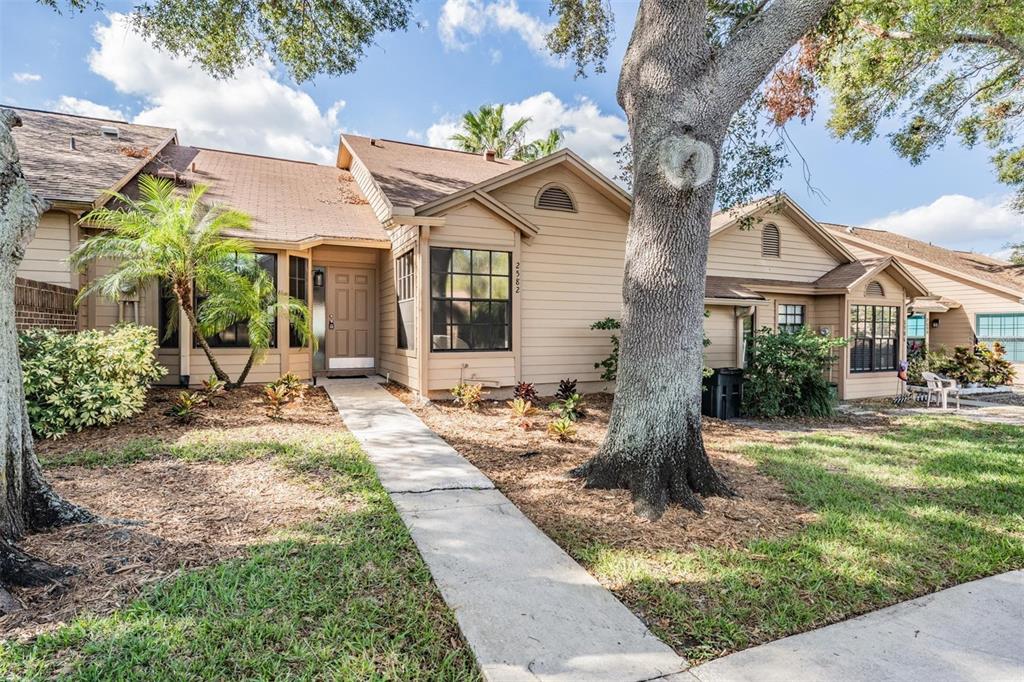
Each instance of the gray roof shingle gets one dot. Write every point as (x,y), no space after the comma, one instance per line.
(59,172)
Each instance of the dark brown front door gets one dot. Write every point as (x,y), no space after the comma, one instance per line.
(351,342)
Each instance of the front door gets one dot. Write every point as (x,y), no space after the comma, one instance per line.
(351,343)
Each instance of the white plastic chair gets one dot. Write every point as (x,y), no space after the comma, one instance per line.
(941,388)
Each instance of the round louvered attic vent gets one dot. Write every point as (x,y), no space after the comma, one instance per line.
(555,198)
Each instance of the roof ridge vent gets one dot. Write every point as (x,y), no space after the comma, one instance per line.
(111,132)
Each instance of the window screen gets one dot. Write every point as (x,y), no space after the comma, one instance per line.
(791,318)
(405,288)
(875,331)
(1005,328)
(471,301)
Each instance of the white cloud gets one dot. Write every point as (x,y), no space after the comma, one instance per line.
(461,22)
(959,222)
(496,56)
(593,135)
(84,107)
(26,77)
(252,112)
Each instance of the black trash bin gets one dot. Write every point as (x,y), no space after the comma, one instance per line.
(722,394)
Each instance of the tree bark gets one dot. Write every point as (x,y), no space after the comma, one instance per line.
(190,313)
(245,370)
(28,502)
(679,94)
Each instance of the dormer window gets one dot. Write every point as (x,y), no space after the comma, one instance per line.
(556,198)
(771,242)
(875,289)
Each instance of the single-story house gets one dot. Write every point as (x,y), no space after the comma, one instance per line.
(980,298)
(431,266)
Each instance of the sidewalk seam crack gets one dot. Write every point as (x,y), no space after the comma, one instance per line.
(437,490)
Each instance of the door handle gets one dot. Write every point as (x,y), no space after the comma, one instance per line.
(330,322)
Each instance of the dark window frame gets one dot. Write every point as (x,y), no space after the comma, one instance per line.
(405,292)
(471,303)
(790,317)
(875,337)
(240,330)
(298,287)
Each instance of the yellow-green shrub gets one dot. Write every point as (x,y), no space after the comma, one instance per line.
(91,378)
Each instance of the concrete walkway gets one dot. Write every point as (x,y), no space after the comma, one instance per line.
(527,610)
(972,632)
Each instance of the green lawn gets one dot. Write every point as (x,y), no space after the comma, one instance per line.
(348,598)
(929,504)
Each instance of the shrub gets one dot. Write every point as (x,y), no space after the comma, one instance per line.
(979,364)
(294,388)
(610,365)
(521,412)
(562,429)
(90,378)
(566,388)
(526,391)
(185,407)
(276,397)
(213,389)
(570,408)
(468,395)
(787,375)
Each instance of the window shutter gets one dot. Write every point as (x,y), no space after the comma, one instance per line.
(875,289)
(555,198)
(770,242)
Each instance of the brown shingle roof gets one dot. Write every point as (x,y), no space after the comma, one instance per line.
(972,264)
(745,288)
(287,200)
(411,175)
(97,163)
(842,276)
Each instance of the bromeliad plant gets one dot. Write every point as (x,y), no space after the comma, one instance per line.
(167,237)
(249,295)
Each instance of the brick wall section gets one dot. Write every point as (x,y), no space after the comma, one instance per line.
(38,304)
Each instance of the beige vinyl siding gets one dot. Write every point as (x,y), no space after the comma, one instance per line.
(570,276)
(232,360)
(471,226)
(737,253)
(46,257)
(399,364)
(300,363)
(720,329)
(378,202)
(872,384)
(828,314)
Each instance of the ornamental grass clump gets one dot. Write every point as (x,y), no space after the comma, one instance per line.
(89,378)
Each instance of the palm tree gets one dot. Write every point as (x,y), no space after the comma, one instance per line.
(167,237)
(542,147)
(485,129)
(251,296)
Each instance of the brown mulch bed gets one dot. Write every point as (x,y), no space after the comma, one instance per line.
(184,515)
(531,469)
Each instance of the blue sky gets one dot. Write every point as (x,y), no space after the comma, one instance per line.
(412,85)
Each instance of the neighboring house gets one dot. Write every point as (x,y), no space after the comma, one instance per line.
(771,265)
(981,298)
(432,266)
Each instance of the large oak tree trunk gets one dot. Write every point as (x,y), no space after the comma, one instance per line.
(28,501)
(679,94)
